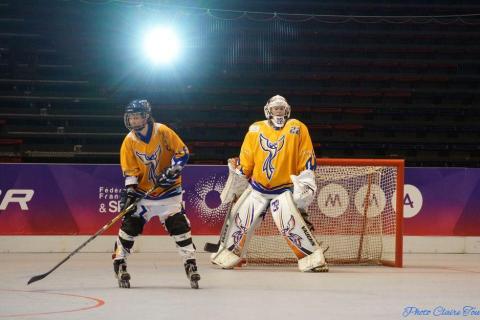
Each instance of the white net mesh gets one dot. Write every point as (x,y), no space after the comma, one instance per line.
(353,215)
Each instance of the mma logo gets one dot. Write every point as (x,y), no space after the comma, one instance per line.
(20,196)
(370,200)
(333,200)
(412,200)
(273,148)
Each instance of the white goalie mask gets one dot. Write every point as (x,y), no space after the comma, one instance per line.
(276,119)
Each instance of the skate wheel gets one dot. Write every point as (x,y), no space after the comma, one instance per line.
(194,284)
(194,281)
(320,269)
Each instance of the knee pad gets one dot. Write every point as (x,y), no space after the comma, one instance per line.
(132,226)
(177,224)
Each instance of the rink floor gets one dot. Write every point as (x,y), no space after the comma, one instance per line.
(84,288)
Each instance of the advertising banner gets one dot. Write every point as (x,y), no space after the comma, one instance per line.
(56,199)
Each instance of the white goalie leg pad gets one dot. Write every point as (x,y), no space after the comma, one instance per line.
(293,228)
(229,219)
(223,257)
(234,187)
(243,218)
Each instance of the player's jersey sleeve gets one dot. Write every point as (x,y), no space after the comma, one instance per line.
(128,161)
(179,149)
(306,153)
(247,152)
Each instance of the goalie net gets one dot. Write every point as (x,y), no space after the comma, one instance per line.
(357,213)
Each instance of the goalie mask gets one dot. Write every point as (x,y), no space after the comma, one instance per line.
(277,111)
(137,115)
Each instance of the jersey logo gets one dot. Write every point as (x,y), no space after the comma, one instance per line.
(150,161)
(273,148)
(287,231)
(295,130)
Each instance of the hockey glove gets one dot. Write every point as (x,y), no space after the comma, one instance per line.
(127,197)
(169,177)
(304,188)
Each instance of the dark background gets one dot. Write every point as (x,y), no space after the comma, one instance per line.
(371,79)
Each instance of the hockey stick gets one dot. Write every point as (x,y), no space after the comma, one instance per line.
(213,247)
(102,230)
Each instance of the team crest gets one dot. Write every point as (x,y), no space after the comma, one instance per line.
(273,148)
(295,130)
(150,161)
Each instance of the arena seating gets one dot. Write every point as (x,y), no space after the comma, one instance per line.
(390,90)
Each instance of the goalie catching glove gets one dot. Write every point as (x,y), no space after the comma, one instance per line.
(304,188)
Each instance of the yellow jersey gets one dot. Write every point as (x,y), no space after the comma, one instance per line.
(143,159)
(269,156)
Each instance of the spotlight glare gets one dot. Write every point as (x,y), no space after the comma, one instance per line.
(161,45)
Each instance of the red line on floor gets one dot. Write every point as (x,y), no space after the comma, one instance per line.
(98,303)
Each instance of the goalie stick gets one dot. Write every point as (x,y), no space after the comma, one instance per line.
(213,247)
(100,231)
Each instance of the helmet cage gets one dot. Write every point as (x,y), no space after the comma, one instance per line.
(277,121)
(137,107)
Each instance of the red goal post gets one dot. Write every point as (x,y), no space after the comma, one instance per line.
(357,213)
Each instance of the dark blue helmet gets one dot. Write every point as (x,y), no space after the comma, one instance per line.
(137,108)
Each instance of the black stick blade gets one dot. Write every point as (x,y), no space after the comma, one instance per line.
(36,278)
(211,247)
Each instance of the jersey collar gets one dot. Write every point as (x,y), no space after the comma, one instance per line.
(146,138)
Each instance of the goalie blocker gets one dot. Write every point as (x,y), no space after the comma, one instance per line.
(247,213)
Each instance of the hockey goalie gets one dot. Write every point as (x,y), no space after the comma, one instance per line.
(275,170)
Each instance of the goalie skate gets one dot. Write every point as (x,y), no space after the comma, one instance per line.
(123,277)
(192,273)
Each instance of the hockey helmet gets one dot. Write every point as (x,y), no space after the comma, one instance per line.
(277,101)
(137,107)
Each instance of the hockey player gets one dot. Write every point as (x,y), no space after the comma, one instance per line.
(152,154)
(278,160)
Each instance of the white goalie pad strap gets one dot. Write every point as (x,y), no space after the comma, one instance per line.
(241,224)
(234,187)
(312,261)
(291,225)
(304,188)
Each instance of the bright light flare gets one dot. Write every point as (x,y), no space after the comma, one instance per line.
(161,45)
